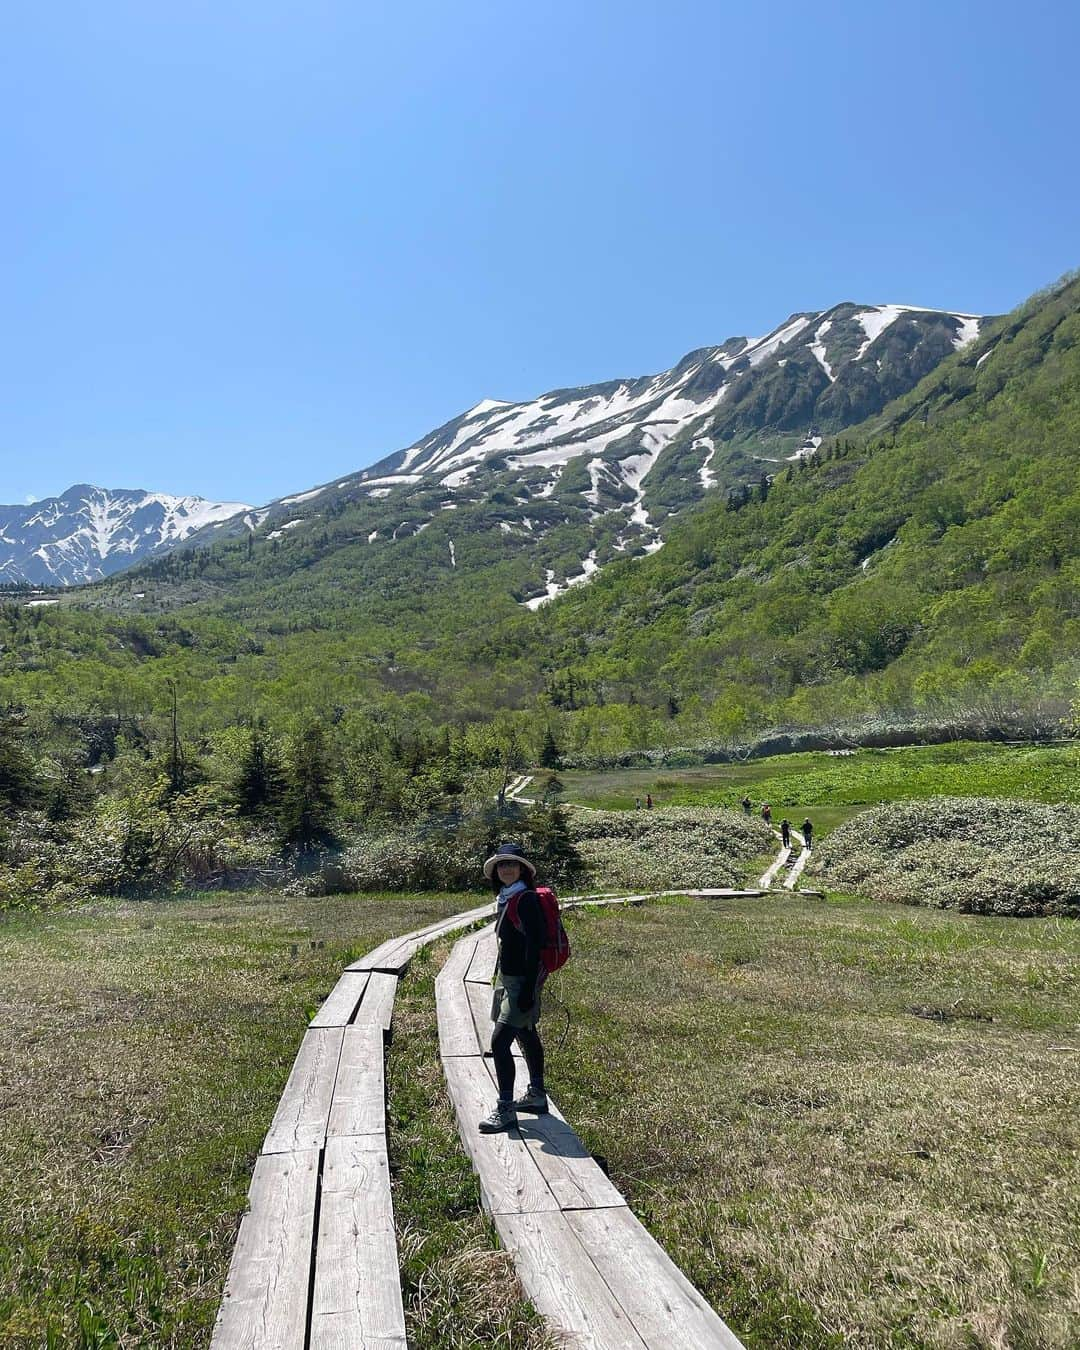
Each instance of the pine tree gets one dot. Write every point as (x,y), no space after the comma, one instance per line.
(18,778)
(308,811)
(260,783)
(549,752)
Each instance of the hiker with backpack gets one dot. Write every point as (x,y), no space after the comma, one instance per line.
(532,943)
(808,834)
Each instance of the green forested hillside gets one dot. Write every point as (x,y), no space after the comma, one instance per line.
(923,566)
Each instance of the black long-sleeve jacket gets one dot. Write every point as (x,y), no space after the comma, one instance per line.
(519,948)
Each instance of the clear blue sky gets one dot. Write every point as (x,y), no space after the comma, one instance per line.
(248,247)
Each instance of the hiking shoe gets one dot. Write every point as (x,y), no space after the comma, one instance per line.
(534,1101)
(502,1118)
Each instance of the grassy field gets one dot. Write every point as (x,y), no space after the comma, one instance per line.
(831,789)
(851,1125)
(143,1049)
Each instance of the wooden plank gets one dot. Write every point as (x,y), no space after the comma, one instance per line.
(377,1006)
(652,1289)
(357,1286)
(266,1294)
(457,1032)
(376,958)
(359,1101)
(300,1119)
(769,876)
(340,1004)
(457,963)
(479,996)
(483,963)
(575,1178)
(565,1286)
(337,1331)
(510,1181)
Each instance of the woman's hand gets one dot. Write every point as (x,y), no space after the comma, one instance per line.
(524,1000)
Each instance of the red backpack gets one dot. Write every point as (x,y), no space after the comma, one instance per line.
(556,950)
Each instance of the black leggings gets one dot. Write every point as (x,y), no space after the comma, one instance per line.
(502,1040)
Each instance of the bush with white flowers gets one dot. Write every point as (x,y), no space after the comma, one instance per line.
(978,855)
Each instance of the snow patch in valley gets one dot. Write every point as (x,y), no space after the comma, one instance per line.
(589,567)
(453,554)
(806,449)
(708,478)
(967,332)
(302,497)
(982,358)
(818,349)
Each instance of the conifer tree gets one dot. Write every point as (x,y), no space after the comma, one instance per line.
(260,783)
(308,811)
(549,752)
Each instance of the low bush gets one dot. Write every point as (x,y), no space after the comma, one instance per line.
(977,855)
(671,847)
(446,853)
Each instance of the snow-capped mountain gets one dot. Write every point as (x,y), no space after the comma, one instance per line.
(633,452)
(89,532)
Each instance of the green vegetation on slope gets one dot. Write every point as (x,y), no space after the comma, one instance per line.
(923,569)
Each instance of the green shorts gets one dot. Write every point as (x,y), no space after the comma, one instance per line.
(504,1003)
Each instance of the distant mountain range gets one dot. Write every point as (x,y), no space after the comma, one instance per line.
(89,532)
(631,453)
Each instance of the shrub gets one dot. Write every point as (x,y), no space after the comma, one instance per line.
(978,855)
(671,847)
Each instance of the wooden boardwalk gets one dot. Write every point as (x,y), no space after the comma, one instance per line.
(588,1265)
(315,1265)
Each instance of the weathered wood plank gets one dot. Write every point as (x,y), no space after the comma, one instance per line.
(482,966)
(357,1283)
(575,1178)
(377,1006)
(480,996)
(340,1004)
(376,958)
(337,1331)
(300,1119)
(266,1294)
(457,1032)
(510,1181)
(663,1305)
(359,1101)
(457,963)
(564,1284)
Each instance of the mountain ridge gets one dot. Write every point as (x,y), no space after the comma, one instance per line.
(87,532)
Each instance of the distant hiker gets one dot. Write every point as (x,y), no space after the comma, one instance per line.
(785,833)
(637,803)
(648,801)
(808,833)
(766,813)
(522,930)
(747,805)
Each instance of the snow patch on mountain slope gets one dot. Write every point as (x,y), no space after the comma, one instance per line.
(552,589)
(706,475)
(817,347)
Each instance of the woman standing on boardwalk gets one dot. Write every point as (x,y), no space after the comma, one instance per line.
(515,1010)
